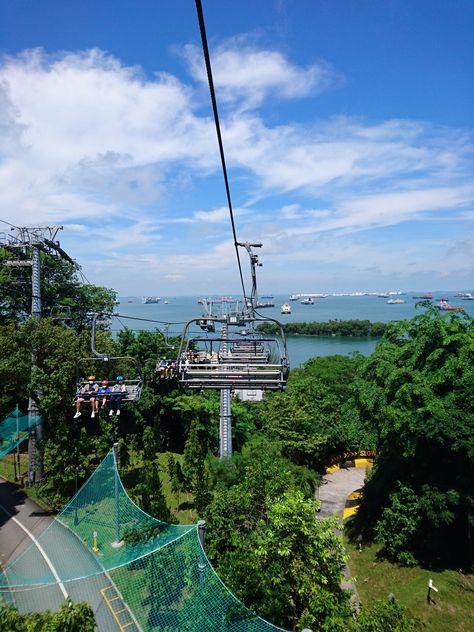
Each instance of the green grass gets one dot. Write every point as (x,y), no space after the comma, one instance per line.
(452,609)
(7,466)
(181,507)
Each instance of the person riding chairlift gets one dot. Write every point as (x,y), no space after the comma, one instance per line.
(104,390)
(118,390)
(88,393)
(162,366)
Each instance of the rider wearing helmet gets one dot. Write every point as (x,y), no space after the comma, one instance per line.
(118,391)
(104,390)
(162,366)
(87,394)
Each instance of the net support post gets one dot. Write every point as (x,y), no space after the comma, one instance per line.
(118,542)
(201,535)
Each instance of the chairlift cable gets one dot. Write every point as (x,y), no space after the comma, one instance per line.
(9,224)
(207,60)
(120,321)
(150,320)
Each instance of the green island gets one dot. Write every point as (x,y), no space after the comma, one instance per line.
(410,402)
(334,327)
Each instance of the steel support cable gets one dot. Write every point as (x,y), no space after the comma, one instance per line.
(9,224)
(150,320)
(207,60)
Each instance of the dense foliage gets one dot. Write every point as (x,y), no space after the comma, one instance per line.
(411,400)
(63,297)
(330,328)
(267,545)
(311,419)
(70,618)
(415,393)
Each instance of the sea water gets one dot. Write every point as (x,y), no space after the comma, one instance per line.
(172,315)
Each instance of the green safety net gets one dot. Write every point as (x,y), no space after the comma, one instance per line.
(136,572)
(14,429)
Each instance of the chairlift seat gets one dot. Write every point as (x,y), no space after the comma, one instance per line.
(233,375)
(233,360)
(103,371)
(132,394)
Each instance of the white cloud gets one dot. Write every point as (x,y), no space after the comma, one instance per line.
(246,74)
(219,215)
(290,211)
(132,171)
(89,131)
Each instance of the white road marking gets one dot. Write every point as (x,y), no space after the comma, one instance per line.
(40,549)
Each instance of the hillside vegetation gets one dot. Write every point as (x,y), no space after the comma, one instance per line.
(411,401)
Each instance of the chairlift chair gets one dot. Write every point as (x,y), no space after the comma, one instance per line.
(107,368)
(241,359)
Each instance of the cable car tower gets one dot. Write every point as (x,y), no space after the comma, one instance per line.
(232,356)
(26,243)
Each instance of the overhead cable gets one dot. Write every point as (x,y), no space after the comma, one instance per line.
(207,60)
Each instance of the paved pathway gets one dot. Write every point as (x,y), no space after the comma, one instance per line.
(21,520)
(333,493)
(336,487)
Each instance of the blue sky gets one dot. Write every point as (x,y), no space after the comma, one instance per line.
(347,127)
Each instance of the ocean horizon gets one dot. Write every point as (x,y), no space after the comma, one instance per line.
(172,312)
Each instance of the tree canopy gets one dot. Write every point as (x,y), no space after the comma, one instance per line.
(64,296)
(411,401)
(415,393)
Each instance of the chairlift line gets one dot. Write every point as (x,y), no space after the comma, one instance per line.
(150,320)
(207,60)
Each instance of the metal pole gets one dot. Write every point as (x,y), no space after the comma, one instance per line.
(201,531)
(36,283)
(76,519)
(35,464)
(201,564)
(17,456)
(117,542)
(225,416)
(225,424)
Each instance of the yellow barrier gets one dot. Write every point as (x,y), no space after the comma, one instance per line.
(364,462)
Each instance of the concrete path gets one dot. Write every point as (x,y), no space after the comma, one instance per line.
(333,493)
(336,487)
(21,523)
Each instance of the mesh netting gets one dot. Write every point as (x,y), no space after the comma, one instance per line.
(100,528)
(14,429)
(136,572)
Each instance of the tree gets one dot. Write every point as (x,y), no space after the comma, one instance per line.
(62,293)
(176,476)
(156,406)
(263,538)
(386,616)
(149,445)
(415,391)
(310,419)
(149,493)
(298,561)
(70,618)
